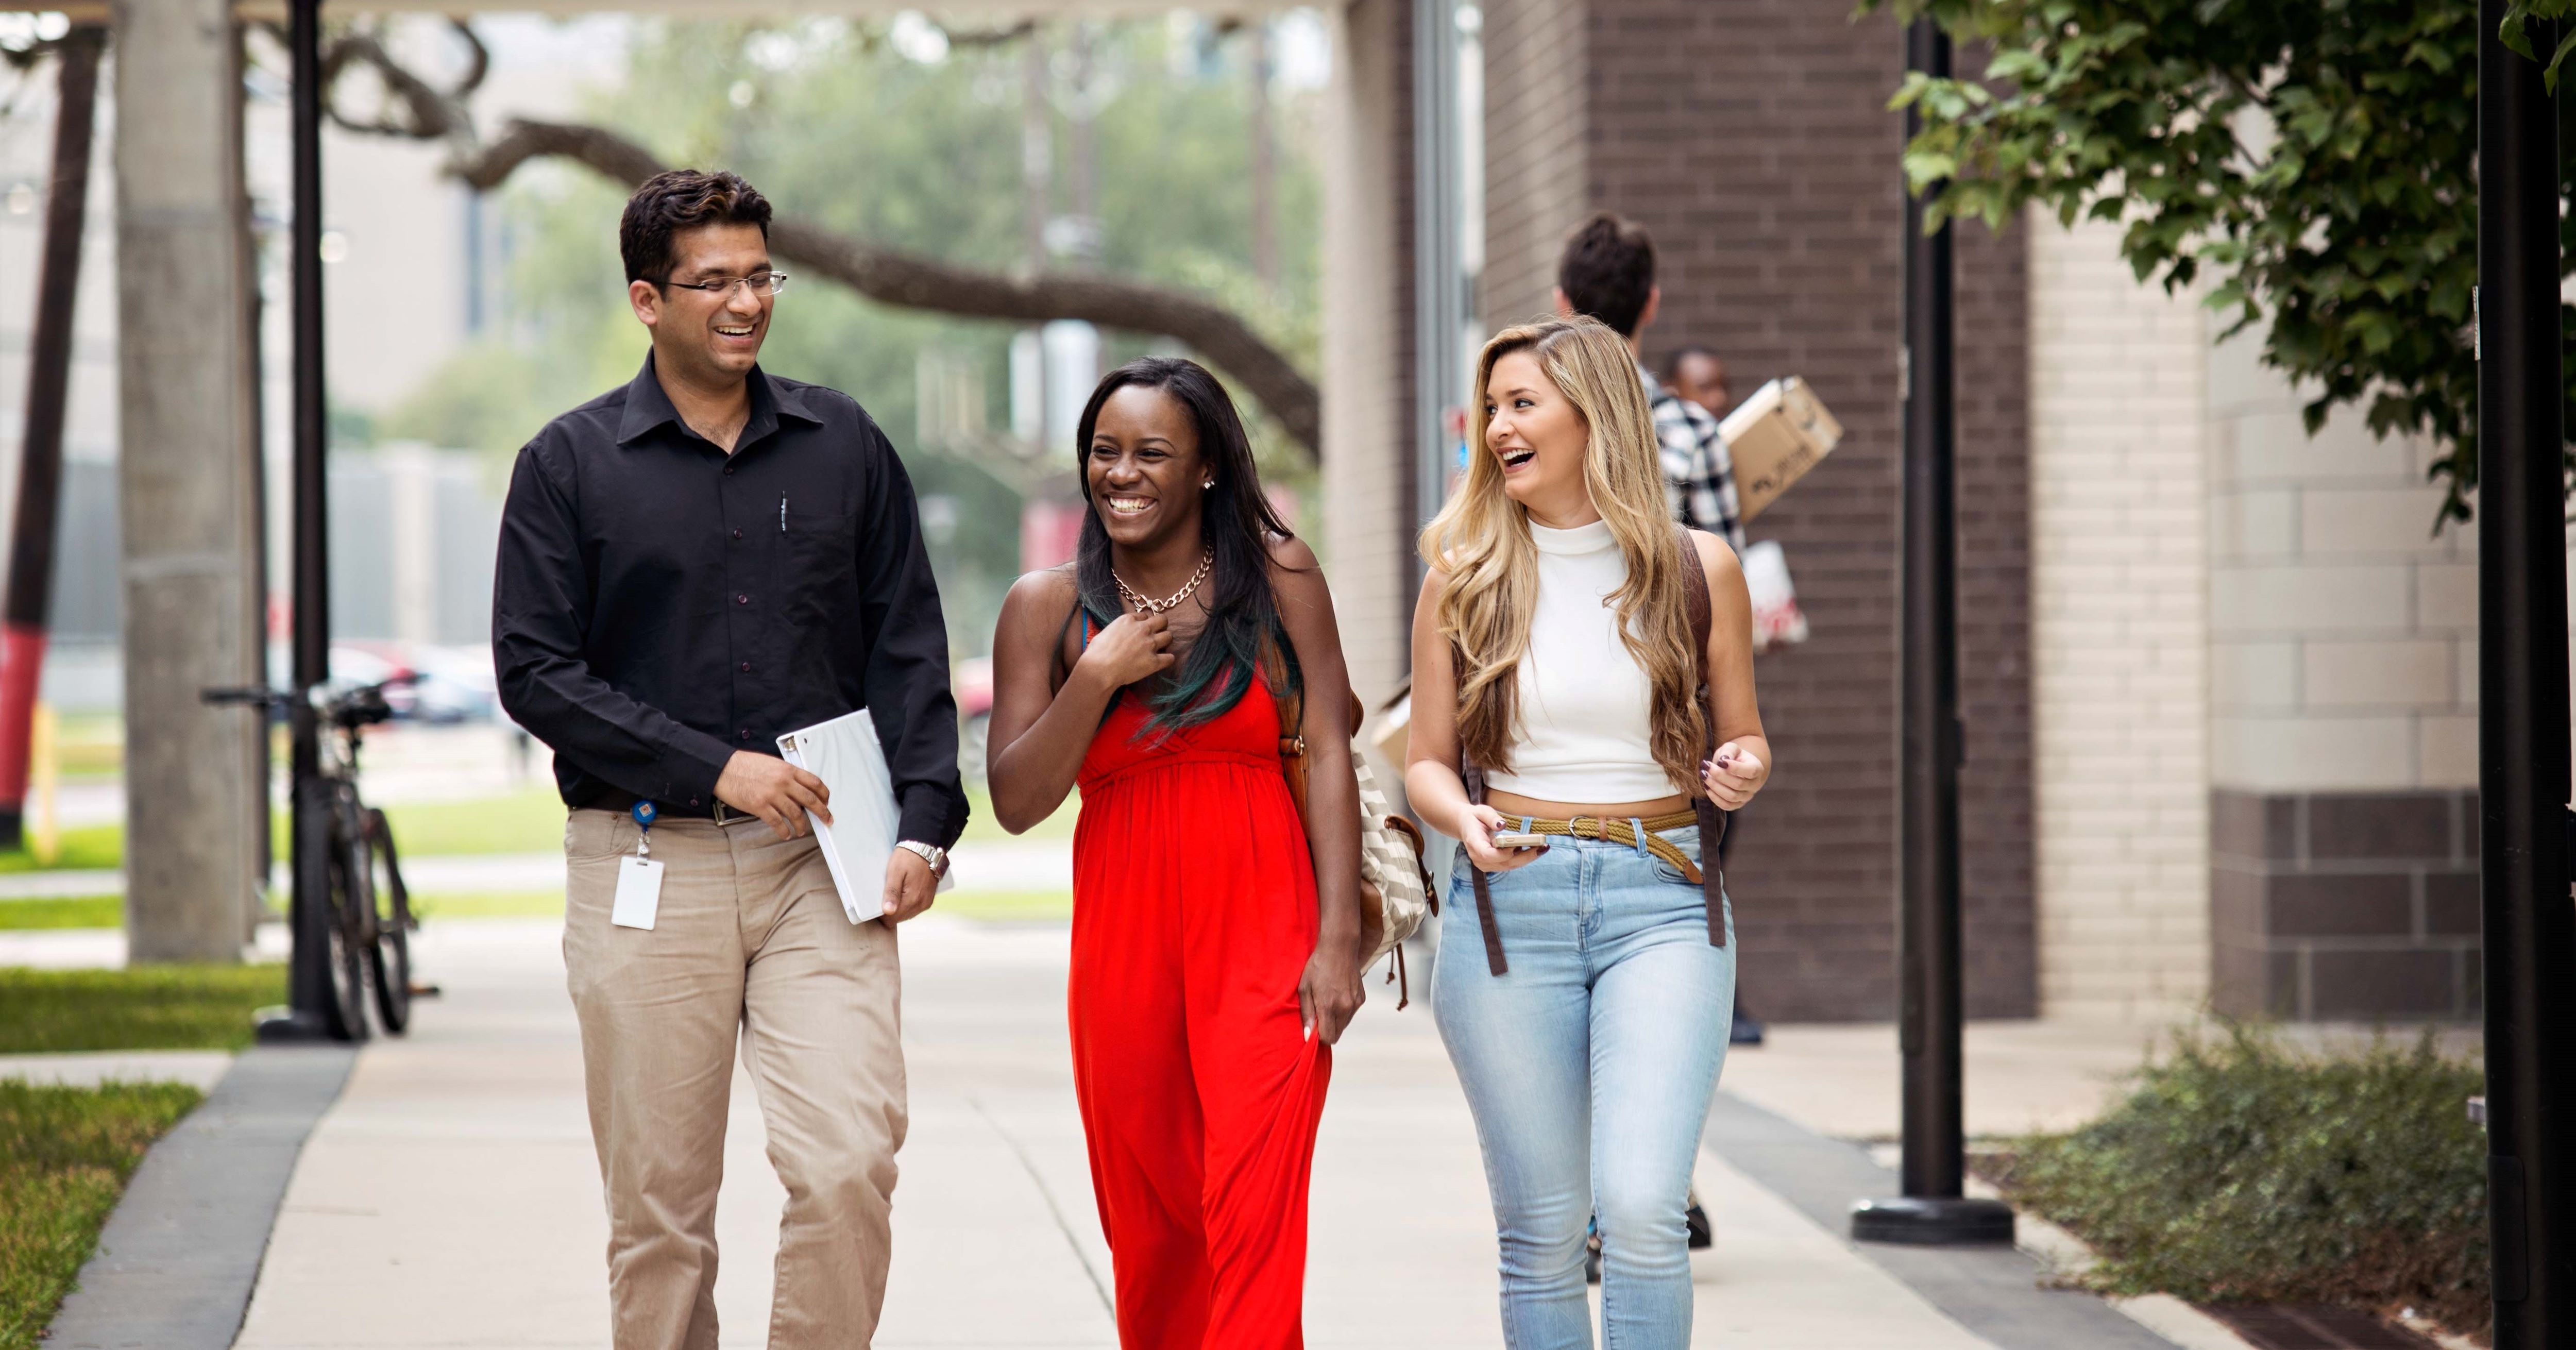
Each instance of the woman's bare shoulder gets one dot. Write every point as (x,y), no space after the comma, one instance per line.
(1293,554)
(1048,585)
(1715,557)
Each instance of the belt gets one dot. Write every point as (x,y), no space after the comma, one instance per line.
(722,815)
(1623,830)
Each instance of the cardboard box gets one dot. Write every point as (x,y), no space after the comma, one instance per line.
(1775,437)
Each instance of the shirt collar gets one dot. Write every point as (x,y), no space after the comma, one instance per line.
(648,407)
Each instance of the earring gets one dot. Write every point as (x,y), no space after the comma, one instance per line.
(1206,485)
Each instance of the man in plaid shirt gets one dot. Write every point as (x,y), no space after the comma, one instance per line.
(1608,272)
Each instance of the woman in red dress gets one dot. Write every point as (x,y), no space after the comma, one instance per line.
(1216,946)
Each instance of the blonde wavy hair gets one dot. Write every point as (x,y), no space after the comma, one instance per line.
(1481,539)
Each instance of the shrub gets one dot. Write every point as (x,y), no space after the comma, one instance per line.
(2242,1170)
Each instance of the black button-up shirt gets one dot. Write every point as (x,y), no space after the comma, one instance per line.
(660,604)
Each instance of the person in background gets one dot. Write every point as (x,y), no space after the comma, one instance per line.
(692,564)
(1699,375)
(1216,942)
(1608,272)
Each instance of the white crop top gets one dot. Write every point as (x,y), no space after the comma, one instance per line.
(1584,702)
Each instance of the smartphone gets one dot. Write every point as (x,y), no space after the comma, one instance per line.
(1509,839)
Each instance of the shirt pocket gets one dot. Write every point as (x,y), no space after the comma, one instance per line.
(822,568)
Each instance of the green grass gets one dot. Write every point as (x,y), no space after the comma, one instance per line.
(1008,906)
(83,911)
(65,1155)
(83,849)
(527,821)
(2241,1170)
(532,821)
(980,824)
(142,1008)
(489,905)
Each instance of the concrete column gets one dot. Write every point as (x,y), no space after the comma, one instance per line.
(186,485)
(1368,350)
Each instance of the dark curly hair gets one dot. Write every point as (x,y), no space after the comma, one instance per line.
(1608,271)
(682,199)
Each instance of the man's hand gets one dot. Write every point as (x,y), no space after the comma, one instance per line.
(774,790)
(909,886)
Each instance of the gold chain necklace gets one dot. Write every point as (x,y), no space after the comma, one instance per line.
(1173,601)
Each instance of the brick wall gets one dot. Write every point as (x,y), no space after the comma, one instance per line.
(1751,137)
(2345,906)
(1536,93)
(1367,542)
(2343,630)
(2119,629)
(2343,716)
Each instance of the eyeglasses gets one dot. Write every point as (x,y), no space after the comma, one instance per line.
(761,283)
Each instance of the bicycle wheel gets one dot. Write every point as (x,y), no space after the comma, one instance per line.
(335,923)
(390,953)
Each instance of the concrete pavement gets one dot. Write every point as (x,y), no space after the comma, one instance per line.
(451,1197)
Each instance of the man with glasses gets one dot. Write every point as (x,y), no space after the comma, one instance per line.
(690,566)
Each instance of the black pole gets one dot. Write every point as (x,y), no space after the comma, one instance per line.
(308,975)
(2529,944)
(26,611)
(1932,1209)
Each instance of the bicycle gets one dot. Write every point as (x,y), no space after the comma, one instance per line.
(364,918)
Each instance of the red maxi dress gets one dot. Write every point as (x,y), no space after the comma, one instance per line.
(1193,919)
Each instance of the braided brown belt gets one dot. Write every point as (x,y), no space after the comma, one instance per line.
(1621,830)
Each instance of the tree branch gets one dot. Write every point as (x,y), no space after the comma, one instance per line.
(915,282)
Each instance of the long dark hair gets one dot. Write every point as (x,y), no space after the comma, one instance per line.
(1237,522)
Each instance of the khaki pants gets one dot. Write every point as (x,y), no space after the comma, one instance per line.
(750,940)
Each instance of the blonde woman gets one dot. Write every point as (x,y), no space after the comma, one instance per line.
(1589,665)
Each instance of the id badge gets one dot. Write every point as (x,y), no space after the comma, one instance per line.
(639,879)
(639,892)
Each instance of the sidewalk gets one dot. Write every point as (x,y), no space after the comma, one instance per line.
(451,1197)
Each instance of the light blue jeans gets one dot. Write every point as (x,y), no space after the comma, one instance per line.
(1589,1065)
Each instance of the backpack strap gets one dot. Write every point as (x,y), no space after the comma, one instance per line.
(1473,779)
(1713,823)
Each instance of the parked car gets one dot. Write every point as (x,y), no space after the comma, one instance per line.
(442,686)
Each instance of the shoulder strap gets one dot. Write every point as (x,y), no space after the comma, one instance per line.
(1695,593)
(1291,704)
(1472,778)
(1713,823)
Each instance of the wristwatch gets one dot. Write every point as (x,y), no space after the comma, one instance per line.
(932,854)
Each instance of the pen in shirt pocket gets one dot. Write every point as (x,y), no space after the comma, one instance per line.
(782,513)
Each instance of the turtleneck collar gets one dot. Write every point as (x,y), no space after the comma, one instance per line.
(1581,539)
